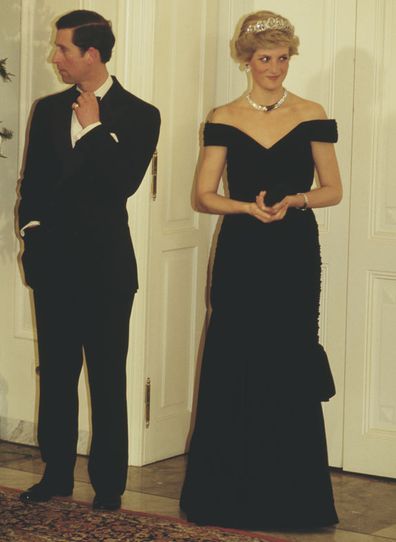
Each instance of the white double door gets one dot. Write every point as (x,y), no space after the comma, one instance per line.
(173,247)
(358,318)
(191,72)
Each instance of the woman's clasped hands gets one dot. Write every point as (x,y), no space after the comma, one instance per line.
(258,209)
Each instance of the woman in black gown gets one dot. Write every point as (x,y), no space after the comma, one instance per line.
(258,456)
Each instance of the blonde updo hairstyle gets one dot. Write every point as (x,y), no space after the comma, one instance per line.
(246,42)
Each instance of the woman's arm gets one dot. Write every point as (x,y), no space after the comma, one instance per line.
(329,191)
(207,200)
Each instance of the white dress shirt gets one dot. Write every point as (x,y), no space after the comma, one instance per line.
(76,130)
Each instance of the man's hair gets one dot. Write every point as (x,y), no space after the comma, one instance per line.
(89,30)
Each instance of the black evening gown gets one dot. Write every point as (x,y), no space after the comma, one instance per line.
(258,456)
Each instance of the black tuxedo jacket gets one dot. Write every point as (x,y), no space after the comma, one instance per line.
(79,194)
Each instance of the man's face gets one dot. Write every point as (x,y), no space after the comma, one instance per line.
(73,65)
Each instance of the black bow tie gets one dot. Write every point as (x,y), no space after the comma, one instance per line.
(76,94)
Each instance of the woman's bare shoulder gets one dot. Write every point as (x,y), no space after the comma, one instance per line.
(226,114)
(307,109)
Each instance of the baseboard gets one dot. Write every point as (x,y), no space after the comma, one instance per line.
(25,432)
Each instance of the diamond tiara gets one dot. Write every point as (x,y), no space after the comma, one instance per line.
(272,23)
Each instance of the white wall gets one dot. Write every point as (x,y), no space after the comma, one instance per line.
(17,377)
(324,71)
(312,74)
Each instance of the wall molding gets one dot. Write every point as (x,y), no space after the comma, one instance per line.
(21,295)
(25,432)
(376,282)
(382,216)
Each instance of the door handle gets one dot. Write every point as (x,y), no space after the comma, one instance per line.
(147,401)
(154,169)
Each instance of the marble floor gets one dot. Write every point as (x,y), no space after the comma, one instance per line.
(366,505)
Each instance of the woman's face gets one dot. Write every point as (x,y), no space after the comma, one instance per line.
(269,67)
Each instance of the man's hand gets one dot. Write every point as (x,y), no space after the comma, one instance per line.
(86,108)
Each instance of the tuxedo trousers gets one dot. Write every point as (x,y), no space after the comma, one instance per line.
(77,320)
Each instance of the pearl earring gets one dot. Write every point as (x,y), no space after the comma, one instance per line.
(247,68)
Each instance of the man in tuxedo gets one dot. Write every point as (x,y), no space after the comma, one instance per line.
(87,152)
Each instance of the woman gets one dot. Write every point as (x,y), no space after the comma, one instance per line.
(258,455)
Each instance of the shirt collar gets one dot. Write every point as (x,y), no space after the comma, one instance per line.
(102,90)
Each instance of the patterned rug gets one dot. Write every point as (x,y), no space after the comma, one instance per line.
(63,520)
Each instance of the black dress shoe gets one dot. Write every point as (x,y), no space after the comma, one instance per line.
(102,502)
(42,492)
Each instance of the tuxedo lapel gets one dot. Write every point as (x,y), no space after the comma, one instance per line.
(62,135)
(111,102)
(61,123)
(109,106)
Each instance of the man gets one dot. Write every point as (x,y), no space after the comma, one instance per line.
(84,159)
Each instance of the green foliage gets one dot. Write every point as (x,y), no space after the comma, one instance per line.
(4,74)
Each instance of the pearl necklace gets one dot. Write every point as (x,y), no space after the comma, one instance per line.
(266,108)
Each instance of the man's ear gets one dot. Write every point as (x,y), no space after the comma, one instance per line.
(93,55)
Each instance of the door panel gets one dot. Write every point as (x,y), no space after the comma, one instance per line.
(183,88)
(370,415)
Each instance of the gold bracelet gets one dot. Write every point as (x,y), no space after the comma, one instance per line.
(305,206)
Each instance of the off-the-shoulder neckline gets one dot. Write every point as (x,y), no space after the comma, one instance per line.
(276,142)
